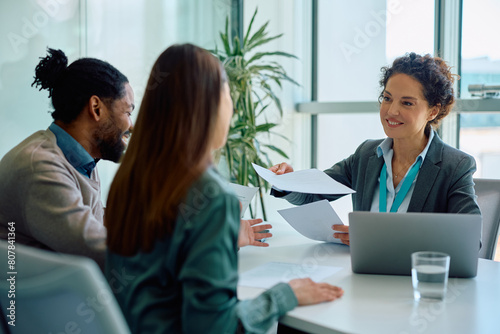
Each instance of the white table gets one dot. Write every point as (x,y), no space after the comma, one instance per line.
(378,303)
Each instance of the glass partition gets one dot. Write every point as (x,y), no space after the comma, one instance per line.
(130,34)
(27,28)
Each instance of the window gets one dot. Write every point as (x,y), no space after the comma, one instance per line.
(480,132)
(351,51)
(128,34)
(480,49)
(28,27)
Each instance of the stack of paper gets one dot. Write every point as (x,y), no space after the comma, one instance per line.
(313,220)
(244,194)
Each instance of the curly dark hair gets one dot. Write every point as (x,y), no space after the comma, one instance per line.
(433,74)
(72,86)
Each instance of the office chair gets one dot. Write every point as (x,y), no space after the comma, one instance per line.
(488,199)
(57,293)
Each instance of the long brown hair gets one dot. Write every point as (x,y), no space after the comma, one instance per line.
(169,149)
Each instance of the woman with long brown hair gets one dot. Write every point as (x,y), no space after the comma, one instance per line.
(172,223)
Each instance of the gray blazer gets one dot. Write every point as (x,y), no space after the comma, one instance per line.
(444,183)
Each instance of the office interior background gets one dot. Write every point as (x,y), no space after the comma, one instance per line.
(340,45)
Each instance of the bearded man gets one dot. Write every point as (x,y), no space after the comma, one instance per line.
(49,186)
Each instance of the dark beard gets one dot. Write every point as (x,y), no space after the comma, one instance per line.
(109,139)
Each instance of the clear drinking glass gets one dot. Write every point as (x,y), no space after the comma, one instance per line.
(429,275)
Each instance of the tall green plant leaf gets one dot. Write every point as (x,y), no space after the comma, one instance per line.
(251,81)
(265,127)
(277,150)
(249,29)
(225,39)
(260,41)
(260,55)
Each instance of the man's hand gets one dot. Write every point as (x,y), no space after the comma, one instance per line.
(249,233)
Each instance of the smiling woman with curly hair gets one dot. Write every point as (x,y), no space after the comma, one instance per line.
(412,170)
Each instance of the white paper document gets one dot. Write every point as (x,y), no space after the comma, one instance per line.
(309,181)
(269,274)
(244,194)
(313,220)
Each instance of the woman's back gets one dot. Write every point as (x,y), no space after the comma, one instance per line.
(190,275)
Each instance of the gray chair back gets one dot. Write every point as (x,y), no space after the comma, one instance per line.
(56,293)
(488,199)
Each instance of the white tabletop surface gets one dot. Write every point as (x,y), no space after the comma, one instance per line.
(377,303)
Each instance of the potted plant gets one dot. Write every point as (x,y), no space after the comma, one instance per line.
(251,78)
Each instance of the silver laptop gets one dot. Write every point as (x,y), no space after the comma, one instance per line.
(381,243)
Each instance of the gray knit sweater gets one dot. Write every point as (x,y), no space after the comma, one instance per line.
(52,205)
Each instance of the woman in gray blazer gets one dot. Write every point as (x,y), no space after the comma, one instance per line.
(421,173)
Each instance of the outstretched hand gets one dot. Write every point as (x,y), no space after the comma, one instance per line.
(281,168)
(249,233)
(309,292)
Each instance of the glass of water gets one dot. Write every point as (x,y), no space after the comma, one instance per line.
(429,275)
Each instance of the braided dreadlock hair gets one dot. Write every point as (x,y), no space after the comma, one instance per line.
(71,87)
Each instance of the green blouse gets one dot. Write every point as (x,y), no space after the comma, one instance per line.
(187,284)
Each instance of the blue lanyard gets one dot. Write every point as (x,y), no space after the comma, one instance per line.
(402,192)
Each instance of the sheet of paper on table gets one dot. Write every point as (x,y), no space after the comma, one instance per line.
(309,181)
(313,220)
(245,195)
(272,273)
